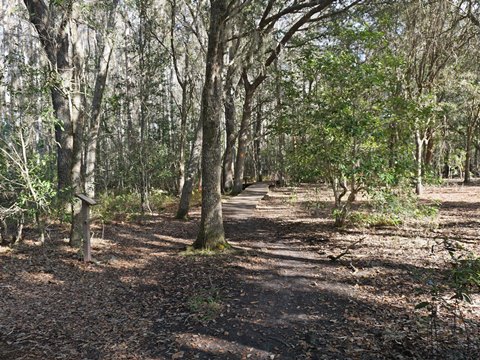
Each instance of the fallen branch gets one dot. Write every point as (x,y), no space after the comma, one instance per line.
(346,251)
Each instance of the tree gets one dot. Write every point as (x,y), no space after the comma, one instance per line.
(463,100)
(211,234)
(230,115)
(434,33)
(102,64)
(194,159)
(340,102)
(192,169)
(60,30)
(294,16)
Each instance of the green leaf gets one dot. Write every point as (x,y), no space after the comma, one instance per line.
(422,305)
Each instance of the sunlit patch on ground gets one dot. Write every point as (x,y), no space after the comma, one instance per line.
(219,347)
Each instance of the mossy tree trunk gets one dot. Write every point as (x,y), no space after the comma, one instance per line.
(211,234)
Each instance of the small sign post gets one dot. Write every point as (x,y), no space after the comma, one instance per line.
(85,213)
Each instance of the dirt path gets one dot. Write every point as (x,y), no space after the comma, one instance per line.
(278,296)
(298,304)
(280,282)
(243,205)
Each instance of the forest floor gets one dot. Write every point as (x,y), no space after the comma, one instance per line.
(277,295)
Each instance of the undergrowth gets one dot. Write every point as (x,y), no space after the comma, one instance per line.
(394,208)
(205,305)
(128,206)
(449,299)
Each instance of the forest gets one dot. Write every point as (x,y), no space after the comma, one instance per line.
(239,179)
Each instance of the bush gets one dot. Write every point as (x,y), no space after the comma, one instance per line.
(127,206)
(160,200)
(27,189)
(465,277)
(393,208)
(115,207)
(373,219)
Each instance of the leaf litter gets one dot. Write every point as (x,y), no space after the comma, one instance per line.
(278,295)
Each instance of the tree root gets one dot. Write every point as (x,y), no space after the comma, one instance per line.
(346,251)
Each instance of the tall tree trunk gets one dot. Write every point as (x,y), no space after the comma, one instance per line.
(468,154)
(446,163)
(476,158)
(64,141)
(281,139)
(192,170)
(66,56)
(77,114)
(184,83)
(281,159)
(230,118)
(102,65)
(419,162)
(58,47)
(144,97)
(243,138)
(230,115)
(429,149)
(211,233)
(258,144)
(183,136)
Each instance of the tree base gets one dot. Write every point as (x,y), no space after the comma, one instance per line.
(219,244)
(181,215)
(192,251)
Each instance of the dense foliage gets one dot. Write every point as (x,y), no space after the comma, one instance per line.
(365,96)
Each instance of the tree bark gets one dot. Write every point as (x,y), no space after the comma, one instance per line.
(468,155)
(419,163)
(211,234)
(476,159)
(243,138)
(258,144)
(77,114)
(183,135)
(184,82)
(230,119)
(281,139)
(192,170)
(58,35)
(102,65)
(429,151)
(144,98)
(62,66)
(230,115)
(446,163)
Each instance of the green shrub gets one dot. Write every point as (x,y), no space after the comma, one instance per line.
(115,207)
(160,199)
(465,277)
(394,207)
(127,206)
